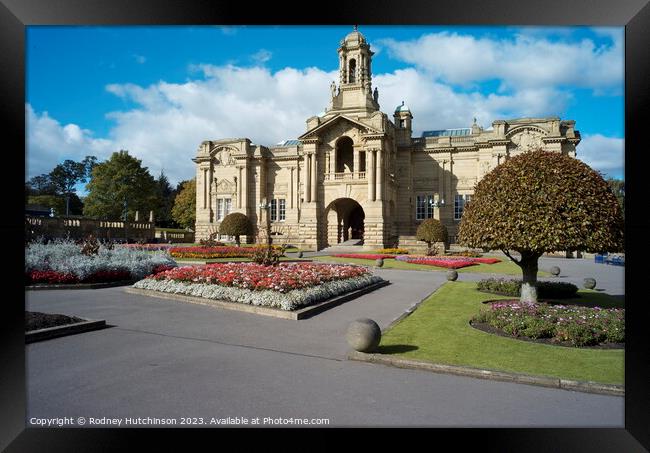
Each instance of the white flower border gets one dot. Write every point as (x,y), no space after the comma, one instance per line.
(266,298)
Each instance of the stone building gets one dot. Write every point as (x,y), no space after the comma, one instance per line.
(357,173)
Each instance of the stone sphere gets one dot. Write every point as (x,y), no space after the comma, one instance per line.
(555,271)
(379,262)
(589,283)
(363,335)
(452,275)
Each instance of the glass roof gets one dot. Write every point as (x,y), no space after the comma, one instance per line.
(448,132)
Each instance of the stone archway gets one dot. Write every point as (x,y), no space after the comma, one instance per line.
(345,220)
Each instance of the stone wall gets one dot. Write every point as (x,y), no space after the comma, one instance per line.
(76,228)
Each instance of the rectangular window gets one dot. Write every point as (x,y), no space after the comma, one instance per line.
(274,210)
(227,204)
(420,207)
(219,208)
(429,206)
(282,209)
(459,205)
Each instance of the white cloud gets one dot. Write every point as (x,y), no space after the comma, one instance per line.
(261,56)
(140,59)
(49,143)
(606,154)
(436,105)
(527,61)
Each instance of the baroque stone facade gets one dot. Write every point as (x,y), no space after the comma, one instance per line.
(358,174)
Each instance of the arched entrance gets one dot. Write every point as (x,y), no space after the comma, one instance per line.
(345,220)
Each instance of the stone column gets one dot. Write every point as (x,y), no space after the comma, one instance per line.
(355,162)
(205,188)
(370,174)
(307,183)
(442,180)
(291,188)
(239,193)
(380,174)
(314,176)
(451,182)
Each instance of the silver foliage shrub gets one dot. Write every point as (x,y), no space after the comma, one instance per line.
(65,256)
(267,298)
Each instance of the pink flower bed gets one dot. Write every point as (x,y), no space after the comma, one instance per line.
(451,262)
(282,278)
(362,256)
(442,262)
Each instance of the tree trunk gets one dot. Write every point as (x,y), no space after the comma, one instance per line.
(528,264)
(237,241)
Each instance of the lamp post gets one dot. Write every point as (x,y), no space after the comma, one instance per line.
(126,217)
(265,207)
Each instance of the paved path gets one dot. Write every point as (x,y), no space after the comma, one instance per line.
(169,359)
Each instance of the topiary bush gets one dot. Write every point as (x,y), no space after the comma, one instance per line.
(236,224)
(548,290)
(430,231)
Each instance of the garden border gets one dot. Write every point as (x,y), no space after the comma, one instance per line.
(48,333)
(520,378)
(296,315)
(40,287)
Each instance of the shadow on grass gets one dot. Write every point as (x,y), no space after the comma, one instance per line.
(593,299)
(395,349)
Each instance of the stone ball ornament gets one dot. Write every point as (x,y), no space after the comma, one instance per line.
(589,283)
(379,262)
(555,271)
(452,275)
(363,335)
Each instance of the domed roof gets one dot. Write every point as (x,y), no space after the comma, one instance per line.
(354,37)
(402,108)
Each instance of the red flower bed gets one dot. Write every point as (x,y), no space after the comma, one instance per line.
(486,260)
(362,256)
(282,278)
(57,278)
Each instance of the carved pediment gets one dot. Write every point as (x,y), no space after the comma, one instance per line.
(226,187)
(318,130)
(527,138)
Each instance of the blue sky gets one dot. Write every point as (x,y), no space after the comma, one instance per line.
(159,91)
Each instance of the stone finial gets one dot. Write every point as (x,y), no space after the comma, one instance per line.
(137,216)
(151,216)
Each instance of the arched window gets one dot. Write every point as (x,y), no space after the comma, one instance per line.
(352,74)
(344,155)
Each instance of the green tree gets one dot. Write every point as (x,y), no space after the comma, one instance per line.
(540,202)
(184,210)
(236,224)
(430,231)
(618,187)
(121,179)
(166,195)
(57,202)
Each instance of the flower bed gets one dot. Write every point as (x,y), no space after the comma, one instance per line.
(440,261)
(451,262)
(364,256)
(215,252)
(61,262)
(147,247)
(393,251)
(549,290)
(286,286)
(578,326)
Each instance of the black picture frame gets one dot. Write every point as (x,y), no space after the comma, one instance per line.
(15,15)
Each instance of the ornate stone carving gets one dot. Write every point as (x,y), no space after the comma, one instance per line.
(527,140)
(226,187)
(223,157)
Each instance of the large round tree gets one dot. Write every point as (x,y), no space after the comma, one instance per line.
(236,224)
(539,202)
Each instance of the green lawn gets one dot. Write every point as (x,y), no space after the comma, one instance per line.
(504,267)
(439,331)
